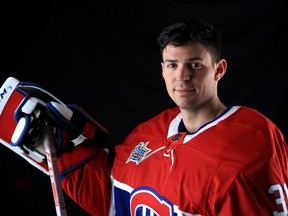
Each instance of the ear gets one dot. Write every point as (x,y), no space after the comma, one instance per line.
(220,69)
(162,65)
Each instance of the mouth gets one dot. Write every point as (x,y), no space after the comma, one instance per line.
(184,91)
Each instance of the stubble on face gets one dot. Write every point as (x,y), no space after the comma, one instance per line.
(190,87)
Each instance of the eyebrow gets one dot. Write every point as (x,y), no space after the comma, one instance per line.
(188,60)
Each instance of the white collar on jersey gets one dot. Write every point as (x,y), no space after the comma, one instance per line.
(174,125)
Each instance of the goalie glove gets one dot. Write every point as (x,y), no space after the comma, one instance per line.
(26,107)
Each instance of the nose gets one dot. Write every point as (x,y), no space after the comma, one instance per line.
(183,74)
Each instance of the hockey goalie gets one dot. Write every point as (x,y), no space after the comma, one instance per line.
(233,164)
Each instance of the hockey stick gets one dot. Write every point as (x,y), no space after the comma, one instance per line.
(49,145)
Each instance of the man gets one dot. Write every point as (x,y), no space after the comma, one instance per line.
(202,157)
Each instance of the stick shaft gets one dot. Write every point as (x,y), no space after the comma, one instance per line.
(49,144)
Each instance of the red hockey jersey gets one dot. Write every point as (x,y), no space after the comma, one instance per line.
(234,165)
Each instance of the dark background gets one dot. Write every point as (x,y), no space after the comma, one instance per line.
(103,56)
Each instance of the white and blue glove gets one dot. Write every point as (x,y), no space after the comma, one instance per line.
(24,109)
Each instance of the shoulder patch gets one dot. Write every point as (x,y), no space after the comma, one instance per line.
(139,153)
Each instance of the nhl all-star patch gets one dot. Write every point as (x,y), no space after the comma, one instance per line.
(139,152)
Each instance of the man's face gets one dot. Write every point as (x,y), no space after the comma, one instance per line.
(190,75)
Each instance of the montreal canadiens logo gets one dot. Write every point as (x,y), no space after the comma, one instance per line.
(146,201)
(139,153)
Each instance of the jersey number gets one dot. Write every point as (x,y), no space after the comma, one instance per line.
(280,200)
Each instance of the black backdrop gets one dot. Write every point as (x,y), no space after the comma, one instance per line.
(104,57)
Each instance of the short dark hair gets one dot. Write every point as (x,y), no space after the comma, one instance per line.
(192,31)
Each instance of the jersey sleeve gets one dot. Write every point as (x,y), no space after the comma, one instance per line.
(90,185)
(261,188)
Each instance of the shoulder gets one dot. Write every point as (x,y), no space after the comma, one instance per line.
(249,136)
(254,118)
(166,115)
(158,124)
(251,123)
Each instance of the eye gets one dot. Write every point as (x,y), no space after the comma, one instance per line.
(195,65)
(171,65)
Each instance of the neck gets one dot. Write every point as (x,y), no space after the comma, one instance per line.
(194,119)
